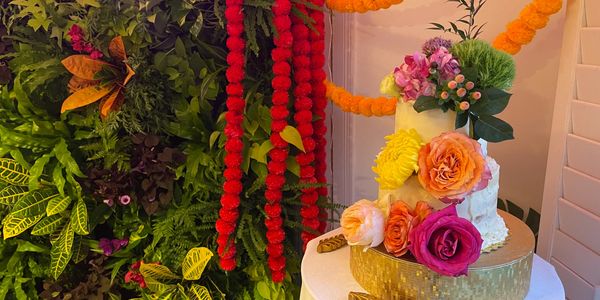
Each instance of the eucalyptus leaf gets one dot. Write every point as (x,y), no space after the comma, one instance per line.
(424,103)
(493,129)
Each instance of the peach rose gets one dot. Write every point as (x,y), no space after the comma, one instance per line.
(362,224)
(400,222)
(452,166)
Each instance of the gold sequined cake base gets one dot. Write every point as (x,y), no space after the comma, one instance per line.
(501,274)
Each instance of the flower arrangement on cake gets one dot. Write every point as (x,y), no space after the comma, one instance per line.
(437,182)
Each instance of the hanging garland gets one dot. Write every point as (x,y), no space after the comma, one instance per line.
(522,30)
(360,105)
(319,91)
(304,117)
(281,84)
(519,32)
(360,6)
(234,146)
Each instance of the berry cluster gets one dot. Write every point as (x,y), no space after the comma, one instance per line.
(80,45)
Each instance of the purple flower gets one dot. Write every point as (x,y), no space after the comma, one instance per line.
(446,243)
(434,44)
(412,75)
(125,200)
(446,65)
(109,246)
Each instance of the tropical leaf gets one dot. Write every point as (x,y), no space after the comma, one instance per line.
(11,194)
(83,66)
(292,136)
(61,252)
(65,158)
(116,48)
(198,292)
(85,96)
(156,286)
(12,172)
(34,203)
(14,225)
(194,263)
(48,225)
(57,205)
(80,250)
(36,171)
(157,272)
(113,100)
(58,179)
(79,218)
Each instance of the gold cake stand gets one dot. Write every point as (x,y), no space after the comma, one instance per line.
(501,274)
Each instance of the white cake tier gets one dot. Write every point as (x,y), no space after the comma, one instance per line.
(479,208)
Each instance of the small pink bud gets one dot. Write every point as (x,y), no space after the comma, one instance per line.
(464,105)
(125,200)
(452,84)
(461,92)
(476,95)
(108,202)
(444,95)
(470,85)
(460,78)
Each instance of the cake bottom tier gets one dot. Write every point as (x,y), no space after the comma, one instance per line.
(501,274)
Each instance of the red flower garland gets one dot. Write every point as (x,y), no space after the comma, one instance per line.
(275,180)
(303,117)
(317,41)
(228,214)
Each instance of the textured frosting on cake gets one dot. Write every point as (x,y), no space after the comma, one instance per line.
(479,208)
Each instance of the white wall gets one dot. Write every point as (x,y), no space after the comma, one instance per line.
(378,42)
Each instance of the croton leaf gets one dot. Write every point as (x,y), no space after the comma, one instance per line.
(11,194)
(79,218)
(198,292)
(34,203)
(48,225)
(12,172)
(194,263)
(15,225)
(85,96)
(61,251)
(57,205)
(157,272)
(83,66)
(116,48)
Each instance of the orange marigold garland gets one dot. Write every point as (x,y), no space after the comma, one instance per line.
(360,6)
(360,105)
(275,180)
(234,146)
(304,118)
(522,30)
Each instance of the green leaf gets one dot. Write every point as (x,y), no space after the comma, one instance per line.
(84,3)
(461,120)
(34,203)
(292,136)
(198,292)
(14,225)
(11,194)
(263,290)
(260,153)
(156,286)
(61,251)
(157,272)
(58,179)
(79,218)
(292,165)
(57,205)
(493,129)
(64,157)
(36,171)
(493,101)
(80,250)
(194,263)
(25,246)
(48,225)
(116,268)
(213,138)
(12,172)
(197,26)
(424,103)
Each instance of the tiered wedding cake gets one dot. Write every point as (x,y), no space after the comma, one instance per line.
(435,217)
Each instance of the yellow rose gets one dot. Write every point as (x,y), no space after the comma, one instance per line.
(398,160)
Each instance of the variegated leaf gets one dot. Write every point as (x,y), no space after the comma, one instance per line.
(198,292)
(13,173)
(11,194)
(48,225)
(194,263)
(57,205)
(34,203)
(14,225)
(79,218)
(158,272)
(61,252)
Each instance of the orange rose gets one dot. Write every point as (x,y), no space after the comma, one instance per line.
(422,210)
(451,167)
(399,224)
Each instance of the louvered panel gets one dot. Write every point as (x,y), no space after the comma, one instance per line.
(588,83)
(592,13)
(586,122)
(579,152)
(590,46)
(575,287)
(575,256)
(579,224)
(582,190)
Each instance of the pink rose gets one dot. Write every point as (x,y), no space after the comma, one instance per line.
(446,243)
(363,224)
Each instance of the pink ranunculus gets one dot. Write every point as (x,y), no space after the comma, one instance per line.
(447,65)
(412,75)
(363,224)
(446,243)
